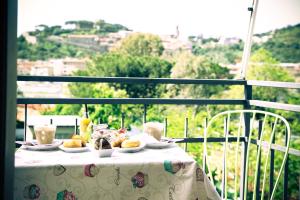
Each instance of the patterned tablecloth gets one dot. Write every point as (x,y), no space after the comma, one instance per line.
(151,174)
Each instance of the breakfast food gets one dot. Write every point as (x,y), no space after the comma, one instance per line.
(79,137)
(73,143)
(130,143)
(117,141)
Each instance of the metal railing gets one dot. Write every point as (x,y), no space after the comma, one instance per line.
(246,102)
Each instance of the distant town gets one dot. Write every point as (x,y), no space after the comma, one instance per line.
(106,42)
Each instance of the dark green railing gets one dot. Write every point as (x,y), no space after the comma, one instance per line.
(246,102)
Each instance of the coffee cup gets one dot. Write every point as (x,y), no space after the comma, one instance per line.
(154,129)
(44,134)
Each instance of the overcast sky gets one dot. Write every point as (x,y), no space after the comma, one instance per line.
(208,17)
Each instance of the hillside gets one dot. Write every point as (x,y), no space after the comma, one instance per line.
(76,39)
(82,38)
(284,44)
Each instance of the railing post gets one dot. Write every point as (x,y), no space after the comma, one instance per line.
(186,124)
(259,160)
(122,119)
(86,111)
(165,127)
(25,123)
(248,96)
(76,126)
(271,175)
(204,156)
(223,194)
(145,114)
(286,171)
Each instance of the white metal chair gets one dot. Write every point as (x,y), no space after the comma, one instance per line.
(233,129)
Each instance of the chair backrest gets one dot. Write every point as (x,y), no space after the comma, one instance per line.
(260,128)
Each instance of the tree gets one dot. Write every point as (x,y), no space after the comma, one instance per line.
(141,44)
(106,113)
(285,44)
(197,67)
(124,65)
(104,27)
(265,67)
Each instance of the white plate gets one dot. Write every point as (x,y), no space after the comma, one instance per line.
(43,147)
(164,143)
(159,145)
(130,150)
(74,150)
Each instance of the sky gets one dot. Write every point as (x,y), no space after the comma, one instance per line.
(211,18)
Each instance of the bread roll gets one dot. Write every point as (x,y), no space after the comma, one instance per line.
(130,143)
(73,143)
(117,142)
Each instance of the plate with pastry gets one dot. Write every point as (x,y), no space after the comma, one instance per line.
(130,146)
(74,146)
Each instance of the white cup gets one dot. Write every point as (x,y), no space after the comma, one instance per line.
(154,129)
(44,134)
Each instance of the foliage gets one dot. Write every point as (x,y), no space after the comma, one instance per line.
(60,109)
(264,67)
(141,44)
(106,113)
(285,44)
(104,27)
(226,54)
(120,65)
(196,67)
(45,49)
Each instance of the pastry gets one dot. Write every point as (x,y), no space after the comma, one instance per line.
(130,143)
(73,143)
(117,142)
(79,137)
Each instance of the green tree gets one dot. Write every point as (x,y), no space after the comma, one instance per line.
(197,67)
(104,27)
(285,44)
(124,65)
(107,113)
(265,67)
(141,44)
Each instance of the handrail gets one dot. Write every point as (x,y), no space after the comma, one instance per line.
(276,84)
(275,105)
(129,101)
(131,80)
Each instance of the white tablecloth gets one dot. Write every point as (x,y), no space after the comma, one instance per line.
(151,174)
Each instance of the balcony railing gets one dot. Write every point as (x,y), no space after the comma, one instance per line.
(246,102)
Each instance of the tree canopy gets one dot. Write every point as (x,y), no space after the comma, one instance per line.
(124,65)
(198,67)
(141,44)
